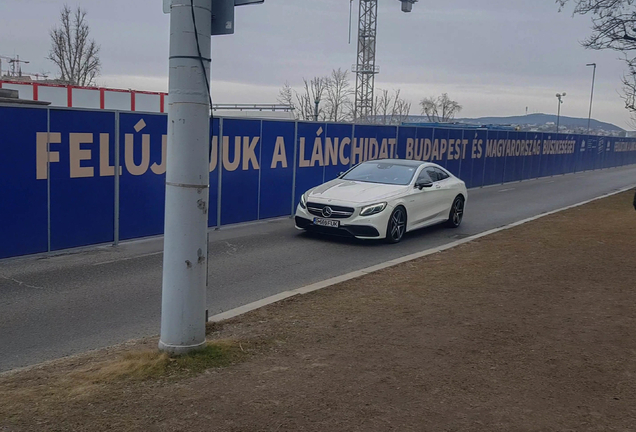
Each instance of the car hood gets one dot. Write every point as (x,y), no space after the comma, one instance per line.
(355,192)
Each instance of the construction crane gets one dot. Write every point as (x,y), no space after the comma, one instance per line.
(16,69)
(3,58)
(365,67)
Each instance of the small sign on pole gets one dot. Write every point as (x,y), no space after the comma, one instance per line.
(222,17)
(222,14)
(247,2)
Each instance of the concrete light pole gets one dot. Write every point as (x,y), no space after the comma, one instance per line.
(183,305)
(559,97)
(589,118)
(183,302)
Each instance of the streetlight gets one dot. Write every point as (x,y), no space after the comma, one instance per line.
(589,118)
(407,5)
(559,97)
(317,104)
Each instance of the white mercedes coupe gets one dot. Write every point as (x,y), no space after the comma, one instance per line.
(383,199)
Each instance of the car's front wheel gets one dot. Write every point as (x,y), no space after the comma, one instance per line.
(456,213)
(397,225)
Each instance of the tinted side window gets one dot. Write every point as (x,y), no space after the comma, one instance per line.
(432,173)
(441,175)
(424,177)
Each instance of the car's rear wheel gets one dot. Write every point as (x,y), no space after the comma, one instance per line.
(397,225)
(456,212)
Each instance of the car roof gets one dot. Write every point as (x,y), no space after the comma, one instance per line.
(405,162)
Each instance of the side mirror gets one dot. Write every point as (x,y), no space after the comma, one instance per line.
(423,184)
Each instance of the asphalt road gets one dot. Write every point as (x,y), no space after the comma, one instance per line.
(60,305)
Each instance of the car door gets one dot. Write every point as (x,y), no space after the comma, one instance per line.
(425,203)
(446,187)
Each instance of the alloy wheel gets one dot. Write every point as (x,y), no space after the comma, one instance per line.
(457,212)
(397,225)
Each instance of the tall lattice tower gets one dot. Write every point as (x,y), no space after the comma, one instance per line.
(365,68)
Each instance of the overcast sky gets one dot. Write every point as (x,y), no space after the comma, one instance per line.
(495,57)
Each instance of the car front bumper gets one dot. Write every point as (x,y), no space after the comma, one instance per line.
(362,227)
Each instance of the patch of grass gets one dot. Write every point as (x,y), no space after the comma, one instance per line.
(95,378)
(213,355)
(152,364)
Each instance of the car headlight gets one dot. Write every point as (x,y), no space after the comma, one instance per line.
(373,209)
(303,200)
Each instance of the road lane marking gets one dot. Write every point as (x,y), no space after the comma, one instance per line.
(20,282)
(128,258)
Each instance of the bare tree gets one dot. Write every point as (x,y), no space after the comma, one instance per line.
(441,109)
(72,51)
(338,95)
(390,109)
(313,90)
(381,107)
(333,93)
(401,109)
(614,28)
(286,97)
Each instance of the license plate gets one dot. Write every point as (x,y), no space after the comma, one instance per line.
(327,222)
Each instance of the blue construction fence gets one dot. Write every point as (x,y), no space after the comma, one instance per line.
(72,178)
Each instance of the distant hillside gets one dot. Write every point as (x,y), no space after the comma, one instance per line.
(542,119)
(532,120)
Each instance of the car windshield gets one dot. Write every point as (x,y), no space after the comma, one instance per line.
(382,172)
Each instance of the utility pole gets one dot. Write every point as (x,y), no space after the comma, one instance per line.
(187,178)
(185,256)
(317,101)
(589,118)
(560,97)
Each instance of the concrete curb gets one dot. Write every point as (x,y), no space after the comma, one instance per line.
(232,313)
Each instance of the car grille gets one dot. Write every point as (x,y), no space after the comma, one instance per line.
(337,212)
(344,230)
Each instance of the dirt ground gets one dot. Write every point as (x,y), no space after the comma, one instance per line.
(529,329)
